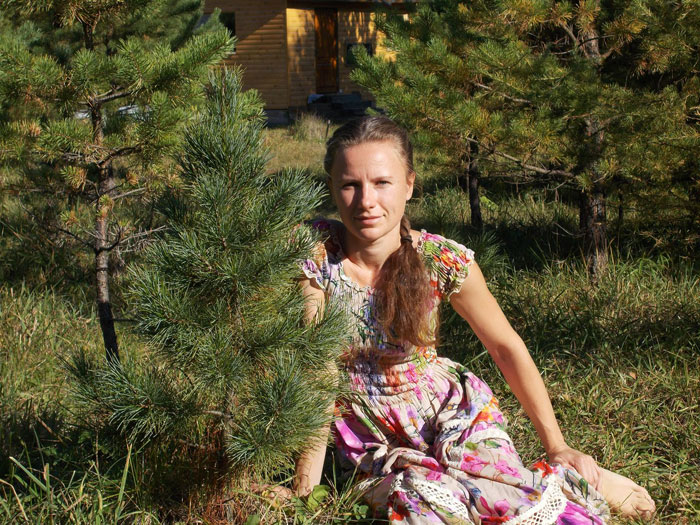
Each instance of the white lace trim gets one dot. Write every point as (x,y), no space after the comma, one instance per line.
(441,498)
(549,508)
(546,512)
(489,433)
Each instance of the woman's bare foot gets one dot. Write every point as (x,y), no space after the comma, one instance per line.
(625,496)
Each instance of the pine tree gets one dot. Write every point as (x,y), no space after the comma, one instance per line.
(218,300)
(668,58)
(93,100)
(551,90)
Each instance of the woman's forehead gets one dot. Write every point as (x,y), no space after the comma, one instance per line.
(368,155)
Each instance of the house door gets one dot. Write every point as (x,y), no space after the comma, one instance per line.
(326,23)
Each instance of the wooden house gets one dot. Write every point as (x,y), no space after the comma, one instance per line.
(291,49)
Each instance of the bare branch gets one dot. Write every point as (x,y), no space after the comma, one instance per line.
(143,233)
(109,96)
(507,97)
(218,414)
(126,194)
(113,245)
(573,37)
(57,228)
(74,158)
(76,237)
(530,167)
(127,150)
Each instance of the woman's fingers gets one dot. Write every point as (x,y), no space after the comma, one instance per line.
(588,468)
(276,494)
(584,464)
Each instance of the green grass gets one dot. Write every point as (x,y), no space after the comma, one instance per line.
(302,145)
(621,360)
(50,467)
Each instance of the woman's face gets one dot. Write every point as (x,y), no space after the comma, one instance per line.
(370,186)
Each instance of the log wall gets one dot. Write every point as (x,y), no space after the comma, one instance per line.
(301,44)
(354,27)
(261,29)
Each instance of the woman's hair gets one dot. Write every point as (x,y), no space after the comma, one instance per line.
(403,292)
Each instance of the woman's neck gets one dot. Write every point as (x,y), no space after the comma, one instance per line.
(369,257)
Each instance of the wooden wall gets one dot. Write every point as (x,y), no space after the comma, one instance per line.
(301,44)
(261,29)
(354,27)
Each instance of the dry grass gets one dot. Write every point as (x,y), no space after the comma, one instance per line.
(300,146)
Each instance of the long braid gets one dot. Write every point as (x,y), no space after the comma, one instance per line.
(404,294)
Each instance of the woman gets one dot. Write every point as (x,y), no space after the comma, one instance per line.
(425,433)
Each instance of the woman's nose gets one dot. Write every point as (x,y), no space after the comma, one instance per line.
(367,196)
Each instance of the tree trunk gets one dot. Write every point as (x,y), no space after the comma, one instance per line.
(474,202)
(620,214)
(102,247)
(594,228)
(469,181)
(592,217)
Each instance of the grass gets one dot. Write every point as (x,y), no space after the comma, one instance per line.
(621,360)
(50,469)
(301,146)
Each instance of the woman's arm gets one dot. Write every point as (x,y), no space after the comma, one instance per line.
(310,464)
(479,308)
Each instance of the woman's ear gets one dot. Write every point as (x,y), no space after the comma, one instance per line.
(410,181)
(329,183)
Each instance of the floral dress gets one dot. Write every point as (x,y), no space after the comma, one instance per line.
(424,432)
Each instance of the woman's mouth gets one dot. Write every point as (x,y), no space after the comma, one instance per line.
(368,220)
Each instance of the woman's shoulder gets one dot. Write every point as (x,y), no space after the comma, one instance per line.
(436,246)
(446,259)
(330,231)
(320,266)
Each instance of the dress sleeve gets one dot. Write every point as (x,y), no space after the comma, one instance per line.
(316,267)
(448,263)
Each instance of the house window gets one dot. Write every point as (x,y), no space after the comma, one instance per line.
(350,57)
(229,21)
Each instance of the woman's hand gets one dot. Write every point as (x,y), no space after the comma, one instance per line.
(582,463)
(277,495)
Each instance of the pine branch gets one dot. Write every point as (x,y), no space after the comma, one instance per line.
(493,151)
